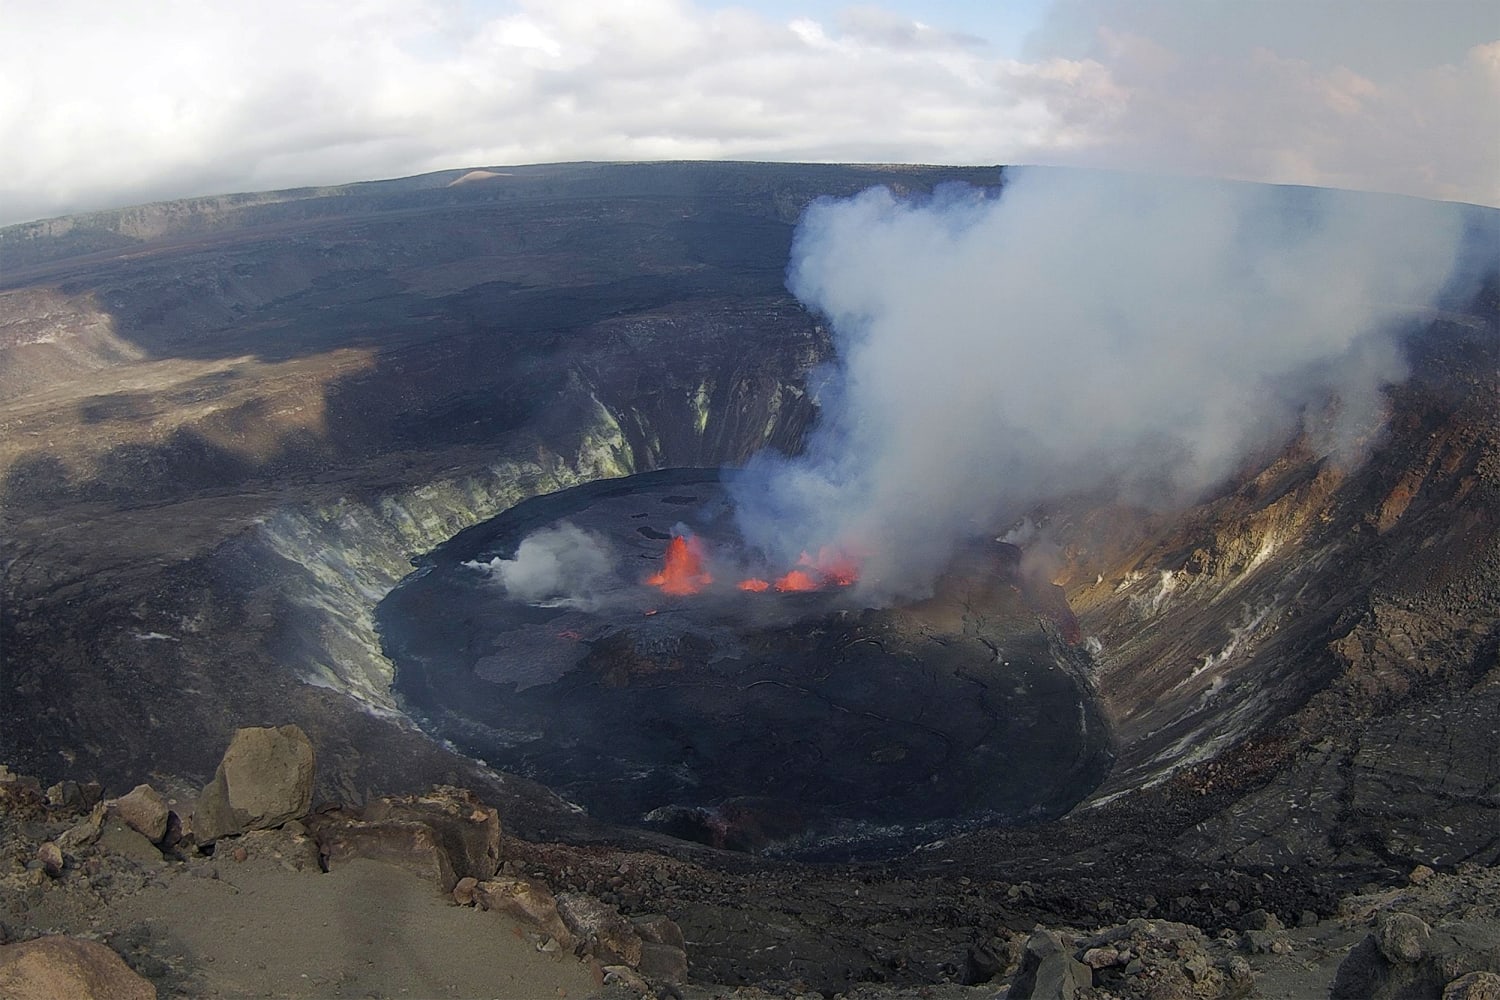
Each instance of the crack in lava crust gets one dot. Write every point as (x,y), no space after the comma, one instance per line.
(769,721)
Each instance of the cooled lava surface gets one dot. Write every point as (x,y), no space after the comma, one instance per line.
(785,718)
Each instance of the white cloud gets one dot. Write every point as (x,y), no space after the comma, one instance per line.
(107,104)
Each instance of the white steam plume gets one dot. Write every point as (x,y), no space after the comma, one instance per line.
(565,565)
(1080,331)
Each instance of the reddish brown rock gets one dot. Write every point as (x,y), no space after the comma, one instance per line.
(527,901)
(64,968)
(413,846)
(445,835)
(465,827)
(144,810)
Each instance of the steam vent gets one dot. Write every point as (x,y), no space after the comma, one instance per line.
(668,567)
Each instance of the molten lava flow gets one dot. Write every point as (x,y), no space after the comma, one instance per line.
(796,581)
(836,567)
(683,571)
(832,568)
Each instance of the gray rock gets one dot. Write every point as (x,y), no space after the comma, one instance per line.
(1263,942)
(1049,971)
(145,811)
(1474,986)
(84,832)
(65,968)
(663,962)
(609,936)
(1261,920)
(264,780)
(1103,958)
(121,840)
(658,928)
(66,795)
(624,977)
(1452,950)
(1402,937)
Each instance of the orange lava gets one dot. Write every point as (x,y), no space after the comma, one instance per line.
(832,568)
(683,572)
(796,581)
(836,567)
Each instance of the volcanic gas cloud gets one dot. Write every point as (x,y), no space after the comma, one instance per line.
(1079,332)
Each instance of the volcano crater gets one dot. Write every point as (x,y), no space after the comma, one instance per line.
(795,723)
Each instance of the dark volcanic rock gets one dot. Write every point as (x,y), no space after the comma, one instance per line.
(1049,971)
(1400,961)
(225,431)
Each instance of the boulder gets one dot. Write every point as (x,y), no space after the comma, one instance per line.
(446,835)
(1103,958)
(64,968)
(294,851)
(993,957)
(121,840)
(85,831)
(1402,937)
(51,857)
(609,936)
(663,962)
(1474,986)
(527,901)
(463,892)
(68,795)
(413,846)
(1049,971)
(466,828)
(144,810)
(658,928)
(264,780)
(1448,952)
(1260,920)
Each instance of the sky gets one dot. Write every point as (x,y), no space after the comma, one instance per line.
(106,104)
